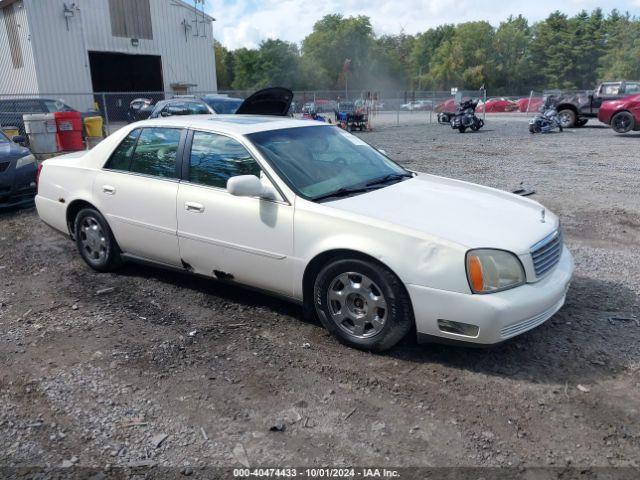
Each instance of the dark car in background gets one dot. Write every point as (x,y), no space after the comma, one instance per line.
(12,110)
(18,171)
(139,109)
(222,104)
(169,108)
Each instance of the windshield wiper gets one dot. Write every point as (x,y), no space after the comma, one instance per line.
(342,192)
(388,178)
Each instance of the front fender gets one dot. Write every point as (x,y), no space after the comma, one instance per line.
(414,258)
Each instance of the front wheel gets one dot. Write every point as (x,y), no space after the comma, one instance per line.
(363,304)
(462,129)
(95,242)
(622,122)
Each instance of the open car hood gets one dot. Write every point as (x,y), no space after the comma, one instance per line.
(268,101)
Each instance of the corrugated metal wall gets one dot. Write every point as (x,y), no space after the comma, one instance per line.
(23,78)
(60,46)
(185,57)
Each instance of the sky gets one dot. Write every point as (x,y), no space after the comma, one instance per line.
(247,23)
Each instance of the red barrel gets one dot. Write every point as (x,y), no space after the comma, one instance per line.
(69,134)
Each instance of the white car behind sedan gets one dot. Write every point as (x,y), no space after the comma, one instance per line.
(314,214)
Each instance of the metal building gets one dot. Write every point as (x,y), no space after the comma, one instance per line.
(61,47)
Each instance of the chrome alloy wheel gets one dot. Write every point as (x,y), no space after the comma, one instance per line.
(93,239)
(357,305)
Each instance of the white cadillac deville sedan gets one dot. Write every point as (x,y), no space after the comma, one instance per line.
(314,214)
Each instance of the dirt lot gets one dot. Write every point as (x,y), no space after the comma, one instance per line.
(98,368)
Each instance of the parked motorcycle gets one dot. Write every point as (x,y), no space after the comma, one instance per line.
(465,117)
(547,119)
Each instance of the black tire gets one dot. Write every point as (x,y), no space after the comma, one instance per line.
(582,122)
(567,118)
(397,311)
(560,128)
(623,122)
(532,129)
(462,129)
(100,250)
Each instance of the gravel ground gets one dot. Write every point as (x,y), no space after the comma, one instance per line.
(152,367)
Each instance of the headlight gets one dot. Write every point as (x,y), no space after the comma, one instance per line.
(491,271)
(24,161)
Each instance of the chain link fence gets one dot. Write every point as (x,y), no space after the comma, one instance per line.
(385,108)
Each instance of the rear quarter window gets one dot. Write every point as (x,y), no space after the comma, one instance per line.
(121,157)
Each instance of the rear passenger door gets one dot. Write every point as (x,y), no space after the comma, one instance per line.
(136,191)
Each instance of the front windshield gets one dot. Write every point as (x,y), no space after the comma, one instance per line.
(316,161)
(224,106)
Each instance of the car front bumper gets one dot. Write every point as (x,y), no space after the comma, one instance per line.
(499,316)
(17,187)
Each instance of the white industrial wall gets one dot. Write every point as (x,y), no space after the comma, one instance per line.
(24,79)
(61,54)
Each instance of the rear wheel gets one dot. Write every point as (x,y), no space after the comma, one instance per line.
(363,304)
(567,118)
(95,242)
(622,122)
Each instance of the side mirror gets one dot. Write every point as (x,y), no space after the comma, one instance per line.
(164,113)
(249,186)
(18,139)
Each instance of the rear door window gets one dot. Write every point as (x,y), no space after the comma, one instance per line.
(156,152)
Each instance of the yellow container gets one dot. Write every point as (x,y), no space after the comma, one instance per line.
(93,126)
(11,131)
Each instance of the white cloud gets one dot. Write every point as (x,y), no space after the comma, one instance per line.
(246,23)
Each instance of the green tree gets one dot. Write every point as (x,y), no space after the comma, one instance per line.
(279,64)
(552,52)
(465,60)
(511,55)
(621,58)
(246,69)
(275,62)
(333,40)
(424,45)
(224,66)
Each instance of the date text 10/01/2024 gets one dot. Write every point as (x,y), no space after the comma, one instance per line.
(316,473)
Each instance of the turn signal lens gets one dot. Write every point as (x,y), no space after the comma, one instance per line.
(475,273)
(491,270)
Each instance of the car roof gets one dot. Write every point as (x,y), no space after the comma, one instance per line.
(232,124)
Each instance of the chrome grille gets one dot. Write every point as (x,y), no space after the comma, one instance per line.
(546,253)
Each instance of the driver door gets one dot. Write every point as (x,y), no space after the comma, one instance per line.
(244,239)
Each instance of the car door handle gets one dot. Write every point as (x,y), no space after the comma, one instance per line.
(194,207)
(108,189)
